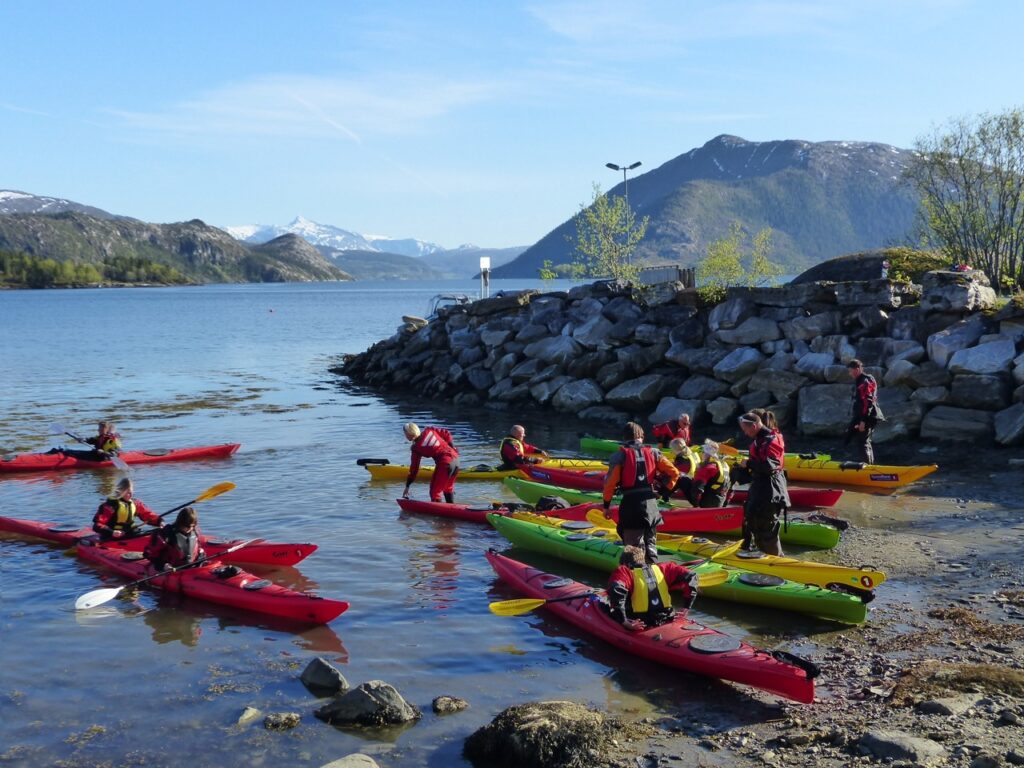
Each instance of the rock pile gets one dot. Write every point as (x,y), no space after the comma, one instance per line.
(950,368)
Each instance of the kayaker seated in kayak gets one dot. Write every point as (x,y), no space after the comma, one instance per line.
(515,451)
(116,516)
(709,485)
(683,457)
(106,443)
(670,430)
(176,544)
(633,469)
(433,443)
(638,592)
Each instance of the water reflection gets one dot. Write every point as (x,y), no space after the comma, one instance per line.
(432,546)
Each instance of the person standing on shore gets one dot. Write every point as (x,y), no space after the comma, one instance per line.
(665,433)
(633,470)
(866,413)
(433,443)
(515,451)
(768,496)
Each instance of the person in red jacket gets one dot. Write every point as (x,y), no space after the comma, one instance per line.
(710,484)
(638,592)
(433,443)
(515,450)
(634,469)
(768,497)
(670,430)
(116,516)
(866,413)
(177,544)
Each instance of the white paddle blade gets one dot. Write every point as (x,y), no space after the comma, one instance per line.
(96,597)
(120,464)
(57,429)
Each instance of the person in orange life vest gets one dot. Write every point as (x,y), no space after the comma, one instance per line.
(768,496)
(633,469)
(866,413)
(176,544)
(107,443)
(638,592)
(515,451)
(116,516)
(433,443)
(670,430)
(710,484)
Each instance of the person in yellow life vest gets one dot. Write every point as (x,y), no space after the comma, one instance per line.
(638,592)
(105,444)
(515,450)
(115,517)
(710,484)
(683,457)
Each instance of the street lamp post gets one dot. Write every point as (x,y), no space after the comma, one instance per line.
(625,184)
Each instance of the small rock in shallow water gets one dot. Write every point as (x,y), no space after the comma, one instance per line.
(249,714)
(444,705)
(281,721)
(1008,717)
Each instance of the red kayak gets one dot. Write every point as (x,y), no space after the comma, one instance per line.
(217,582)
(680,643)
(258,553)
(45,462)
(477,514)
(677,519)
(593,480)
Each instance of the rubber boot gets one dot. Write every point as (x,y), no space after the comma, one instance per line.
(449,497)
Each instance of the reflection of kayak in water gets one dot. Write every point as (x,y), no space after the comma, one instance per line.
(44,462)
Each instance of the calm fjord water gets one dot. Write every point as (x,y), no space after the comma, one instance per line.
(159,681)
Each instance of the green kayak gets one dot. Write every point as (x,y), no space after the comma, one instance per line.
(799,532)
(598,549)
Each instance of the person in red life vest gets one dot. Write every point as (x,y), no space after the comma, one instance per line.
(176,544)
(433,443)
(710,484)
(768,496)
(633,469)
(116,516)
(866,413)
(638,591)
(515,451)
(670,430)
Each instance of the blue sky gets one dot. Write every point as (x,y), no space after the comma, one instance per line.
(482,122)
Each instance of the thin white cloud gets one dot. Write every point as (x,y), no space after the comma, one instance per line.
(23,110)
(306,107)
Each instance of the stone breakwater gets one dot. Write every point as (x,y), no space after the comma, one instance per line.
(949,366)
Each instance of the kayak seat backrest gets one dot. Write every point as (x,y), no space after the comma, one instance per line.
(226,571)
(558,583)
(482,468)
(852,465)
(258,584)
(761,579)
(158,452)
(132,556)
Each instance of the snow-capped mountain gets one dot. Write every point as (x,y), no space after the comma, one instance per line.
(332,237)
(13,201)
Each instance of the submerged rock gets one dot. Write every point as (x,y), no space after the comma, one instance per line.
(281,721)
(374,703)
(444,705)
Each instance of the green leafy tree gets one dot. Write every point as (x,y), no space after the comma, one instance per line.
(607,234)
(728,263)
(970,175)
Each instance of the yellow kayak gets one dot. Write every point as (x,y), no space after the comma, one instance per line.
(388,471)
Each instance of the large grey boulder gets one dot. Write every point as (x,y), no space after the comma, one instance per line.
(910,351)
(594,332)
(670,408)
(545,303)
(545,390)
(753,330)
(586,366)
(899,372)
(374,703)
(1012,328)
(701,388)
(495,338)
(722,410)
(866,321)
(1018,369)
(789,295)
(480,378)
(813,365)
(944,343)
(753,399)
(504,366)
(650,335)
(807,328)
(838,346)
(700,360)
(689,333)
(639,359)
(781,384)
(990,393)
(580,312)
(526,370)
(577,395)
(611,375)
(930,395)
(622,308)
(508,301)
(322,678)
(470,355)
(640,393)
(1009,425)
(730,313)
(944,422)
(956,292)
(780,361)
(738,364)
(929,374)
(824,409)
(897,745)
(994,357)
(532,332)
(559,349)
(903,415)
